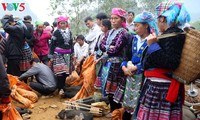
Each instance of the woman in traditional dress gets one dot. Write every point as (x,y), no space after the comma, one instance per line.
(62,49)
(113,45)
(162,96)
(133,65)
(105,28)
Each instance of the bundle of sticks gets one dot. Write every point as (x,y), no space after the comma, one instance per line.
(93,99)
(84,107)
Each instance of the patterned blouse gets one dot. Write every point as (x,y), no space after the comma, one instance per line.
(119,42)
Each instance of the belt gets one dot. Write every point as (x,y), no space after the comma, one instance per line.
(115,59)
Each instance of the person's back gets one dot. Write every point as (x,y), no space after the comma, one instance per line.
(14,44)
(45,81)
(45,75)
(27,22)
(15,39)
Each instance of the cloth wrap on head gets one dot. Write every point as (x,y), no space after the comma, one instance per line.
(147,17)
(39,22)
(120,12)
(174,12)
(62,18)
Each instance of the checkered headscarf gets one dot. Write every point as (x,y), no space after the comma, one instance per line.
(164,6)
(174,11)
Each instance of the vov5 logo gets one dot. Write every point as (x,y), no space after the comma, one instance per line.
(13,6)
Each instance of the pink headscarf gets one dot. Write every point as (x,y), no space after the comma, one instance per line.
(120,12)
(62,18)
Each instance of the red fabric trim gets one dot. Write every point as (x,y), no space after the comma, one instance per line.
(173,90)
(5,100)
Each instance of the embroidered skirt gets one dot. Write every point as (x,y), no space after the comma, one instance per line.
(153,105)
(98,83)
(114,77)
(62,63)
(128,92)
(26,58)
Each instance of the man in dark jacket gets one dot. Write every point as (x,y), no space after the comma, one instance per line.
(14,43)
(4,86)
(27,21)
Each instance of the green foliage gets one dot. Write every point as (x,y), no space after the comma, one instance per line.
(78,10)
(128,5)
(149,5)
(196,24)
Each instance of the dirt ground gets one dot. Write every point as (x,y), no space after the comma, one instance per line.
(48,108)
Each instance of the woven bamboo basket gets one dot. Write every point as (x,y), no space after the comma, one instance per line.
(189,68)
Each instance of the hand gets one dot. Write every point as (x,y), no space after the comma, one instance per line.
(133,68)
(112,46)
(152,38)
(49,33)
(75,67)
(97,60)
(74,59)
(78,63)
(8,108)
(127,71)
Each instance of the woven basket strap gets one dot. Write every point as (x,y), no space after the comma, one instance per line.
(169,35)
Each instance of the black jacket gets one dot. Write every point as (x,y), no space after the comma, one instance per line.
(58,41)
(30,30)
(4,83)
(168,57)
(15,40)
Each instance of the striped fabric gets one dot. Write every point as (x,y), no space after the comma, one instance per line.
(26,57)
(153,104)
(61,63)
(111,76)
(98,82)
(2,45)
(115,75)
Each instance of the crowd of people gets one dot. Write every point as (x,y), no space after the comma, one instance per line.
(133,68)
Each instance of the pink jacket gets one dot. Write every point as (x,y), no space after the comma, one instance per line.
(41,44)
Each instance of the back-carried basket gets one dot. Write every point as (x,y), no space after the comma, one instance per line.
(189,68)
